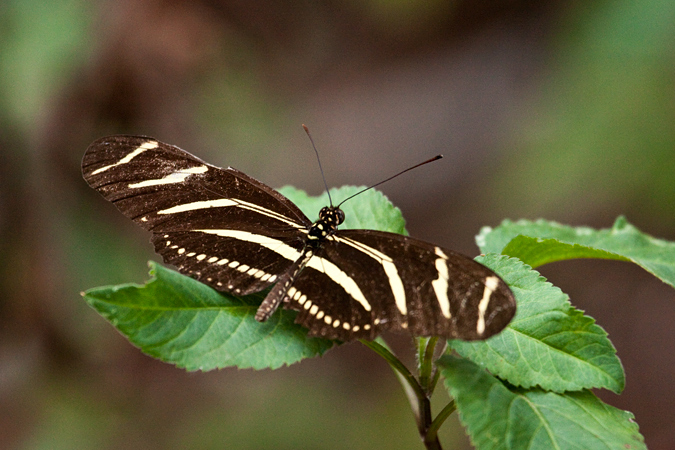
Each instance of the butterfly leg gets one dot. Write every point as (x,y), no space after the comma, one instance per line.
(283,284)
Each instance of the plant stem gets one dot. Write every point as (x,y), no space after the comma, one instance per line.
(432,431)
(425,356)
(430,441)
(418,393)
(426,363)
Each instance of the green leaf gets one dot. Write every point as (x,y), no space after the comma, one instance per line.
(542,242)
(182,321)
(370,210)
(498,417)
(548,343)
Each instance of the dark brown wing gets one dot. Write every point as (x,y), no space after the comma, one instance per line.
(363,282)
(219,225)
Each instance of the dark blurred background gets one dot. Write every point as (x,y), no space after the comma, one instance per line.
(560,110)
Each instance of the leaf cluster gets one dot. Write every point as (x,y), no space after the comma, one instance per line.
(527,387)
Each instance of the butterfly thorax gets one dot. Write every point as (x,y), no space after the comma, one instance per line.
(329,219)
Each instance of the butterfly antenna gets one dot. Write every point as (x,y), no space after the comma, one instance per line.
(435,158)
(319,160)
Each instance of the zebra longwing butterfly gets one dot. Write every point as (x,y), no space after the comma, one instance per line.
(238,235)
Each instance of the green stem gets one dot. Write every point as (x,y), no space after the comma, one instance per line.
(418,396)
(431,442)
(426,363)
(432,431)
(434,380)
(421,345)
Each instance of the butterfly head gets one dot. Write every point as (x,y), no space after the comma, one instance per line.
(329,219)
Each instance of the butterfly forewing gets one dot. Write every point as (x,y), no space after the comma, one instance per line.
(142,176)
(218,225)
(238,235)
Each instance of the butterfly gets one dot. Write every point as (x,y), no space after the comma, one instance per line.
(240,236)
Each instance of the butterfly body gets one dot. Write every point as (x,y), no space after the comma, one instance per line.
(238,235)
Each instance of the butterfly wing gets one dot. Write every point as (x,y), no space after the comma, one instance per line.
(221,226)
(398,283)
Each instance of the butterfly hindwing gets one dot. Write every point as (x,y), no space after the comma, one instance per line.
(226,263)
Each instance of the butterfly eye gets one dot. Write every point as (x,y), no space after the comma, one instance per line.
(340,215)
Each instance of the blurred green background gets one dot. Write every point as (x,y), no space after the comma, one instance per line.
(560,110)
